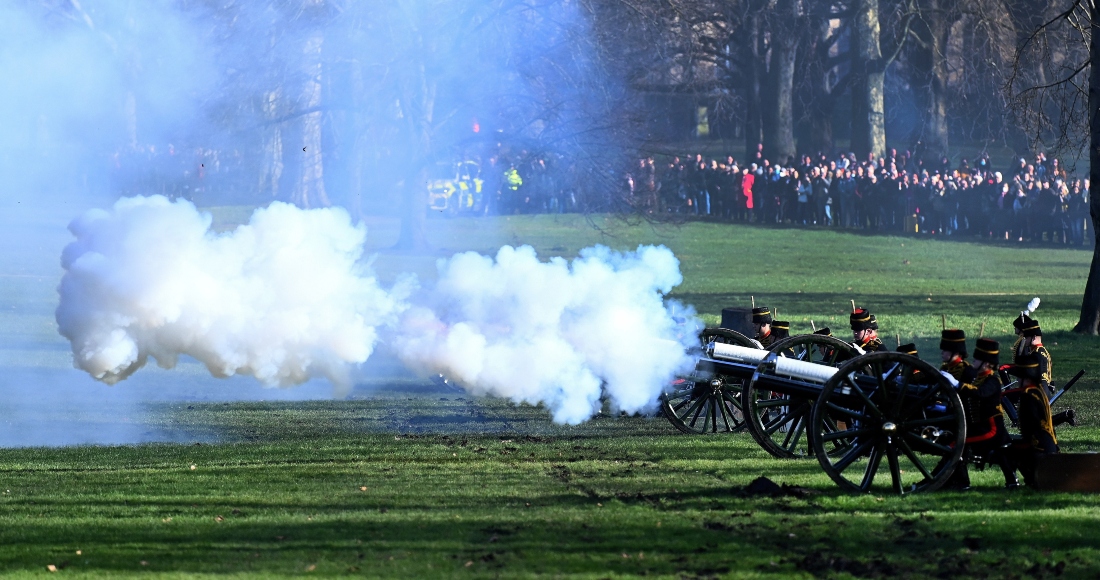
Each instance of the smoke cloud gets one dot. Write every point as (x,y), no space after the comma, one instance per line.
(555,332)
(281,298)
(286,297)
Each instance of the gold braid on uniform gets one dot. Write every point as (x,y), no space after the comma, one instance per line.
(969,393)
(955,367)
(1016,349)
(871,345)
(1048,372)
(1046,424)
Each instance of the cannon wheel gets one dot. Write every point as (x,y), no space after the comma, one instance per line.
(779,422)
(707,402)
(913,417)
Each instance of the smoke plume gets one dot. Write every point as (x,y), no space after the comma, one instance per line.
(281,298)
(286,297)
(554,332)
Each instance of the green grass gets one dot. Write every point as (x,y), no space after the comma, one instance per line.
(458,486)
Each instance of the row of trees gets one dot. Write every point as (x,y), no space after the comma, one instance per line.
(943,69)
(336,101)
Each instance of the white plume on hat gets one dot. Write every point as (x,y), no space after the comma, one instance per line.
(1032,306)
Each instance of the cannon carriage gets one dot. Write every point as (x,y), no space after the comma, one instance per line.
(813,395)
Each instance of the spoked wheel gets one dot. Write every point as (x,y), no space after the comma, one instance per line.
(725,336)
(779,422)
(707,402)
(893,406)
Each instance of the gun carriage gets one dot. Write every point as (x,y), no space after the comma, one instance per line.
(817,395)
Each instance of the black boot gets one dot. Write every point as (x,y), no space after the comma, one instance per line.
(1065,417)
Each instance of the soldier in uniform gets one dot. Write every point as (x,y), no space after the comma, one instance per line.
(987,437)
(762,322)
(1036,423)
(953,353)
(865,331)
(919,378)
(1031,342)
(781,329)
(1018,325)
(909,349)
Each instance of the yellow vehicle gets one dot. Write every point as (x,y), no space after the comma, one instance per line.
(455,188)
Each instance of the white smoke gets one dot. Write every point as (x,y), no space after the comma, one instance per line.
(285,297)
(553,332)
(281,298)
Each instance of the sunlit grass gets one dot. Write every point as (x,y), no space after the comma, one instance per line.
(409,481)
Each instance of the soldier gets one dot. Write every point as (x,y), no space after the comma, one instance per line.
(919,378)
(953,353)
(987,437)
(1018,325)
(762,322)
(1031,336)
(909,349)
(865,331)
(1036,424)
(781,329)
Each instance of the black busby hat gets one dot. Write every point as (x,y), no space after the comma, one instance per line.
(909,349)
(862,319)
(988,350)
(1031,328)
(824,331)
(1021,321)
(781,328)
(1026,367)
(953,340)
(874,322)
(761,315)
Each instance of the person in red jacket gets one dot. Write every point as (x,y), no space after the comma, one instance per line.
(747,181)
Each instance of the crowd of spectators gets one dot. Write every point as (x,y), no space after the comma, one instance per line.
(1035,201)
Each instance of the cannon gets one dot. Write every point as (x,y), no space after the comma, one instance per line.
(853,410)
(708,402)
(713,402)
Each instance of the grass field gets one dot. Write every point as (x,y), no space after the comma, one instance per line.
(406,480)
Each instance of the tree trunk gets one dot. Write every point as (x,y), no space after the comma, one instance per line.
(303,176)
(822,100)
(753,66)
(931,59)
(868,117)
(1090,304)
(271,174)
(779,141)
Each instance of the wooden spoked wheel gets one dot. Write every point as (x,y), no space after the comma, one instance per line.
(888,406)
(707,402)
(779,422)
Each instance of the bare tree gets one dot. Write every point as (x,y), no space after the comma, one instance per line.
(869,63)
(1054,89)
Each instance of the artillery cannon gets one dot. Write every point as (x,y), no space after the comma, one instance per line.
(708,402)
(870,407)
(713,402)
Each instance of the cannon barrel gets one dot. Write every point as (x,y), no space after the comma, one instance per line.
(785,375)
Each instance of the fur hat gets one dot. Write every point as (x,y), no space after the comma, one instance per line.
(953,340)
(1031,329)
(761,315)
(781,329)
(987,350)
(862,319)
(909,349)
